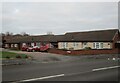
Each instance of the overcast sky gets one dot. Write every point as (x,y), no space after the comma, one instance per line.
(58,17)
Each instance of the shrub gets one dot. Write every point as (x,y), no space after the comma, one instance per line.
(18,56)
(26,56)
(71,48)
(87,48)
(7,57)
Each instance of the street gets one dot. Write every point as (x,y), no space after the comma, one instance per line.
(72,70)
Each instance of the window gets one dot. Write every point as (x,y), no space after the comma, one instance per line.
(98,45)
(12,45)
(75,44)
(32,44)
(6,45)
(15,45)
(23,44)
(64,44)
(38,44)
(84,44)
(101,45)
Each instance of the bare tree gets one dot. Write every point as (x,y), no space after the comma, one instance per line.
(24,34)
(2,34)
(49,33)
(9,34)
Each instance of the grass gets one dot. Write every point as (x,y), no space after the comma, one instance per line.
(9,55)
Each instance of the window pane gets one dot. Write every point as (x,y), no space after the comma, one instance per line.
(101,45)
(84,44)
(16,45)
(75,44)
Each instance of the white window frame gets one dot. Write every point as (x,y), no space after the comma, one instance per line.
(84,44)
(12,45)
(15,45)
(23,44)
(75,44)
(98,45)
(38,44)
(64,44)
(32,44)
(6,45)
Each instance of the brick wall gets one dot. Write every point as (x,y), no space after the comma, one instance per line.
(85,52)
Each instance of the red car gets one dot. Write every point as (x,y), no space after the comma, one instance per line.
(24,48)
(33,48)
(44,48)
(36,48)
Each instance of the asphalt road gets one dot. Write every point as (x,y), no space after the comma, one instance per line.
(73,70)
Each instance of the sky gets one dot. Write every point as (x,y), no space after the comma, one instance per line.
(58,17)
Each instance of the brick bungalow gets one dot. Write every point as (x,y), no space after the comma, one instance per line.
(105,41)
(17,43)
(89,42)
(102,39)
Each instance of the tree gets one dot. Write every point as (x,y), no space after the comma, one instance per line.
(2,34)
(9,34)
(49,33)
(24,34)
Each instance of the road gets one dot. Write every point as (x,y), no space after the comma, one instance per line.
(72,70)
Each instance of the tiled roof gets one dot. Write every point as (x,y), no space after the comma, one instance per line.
(44,38)
(101,35)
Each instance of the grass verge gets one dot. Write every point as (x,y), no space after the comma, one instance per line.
(8,55)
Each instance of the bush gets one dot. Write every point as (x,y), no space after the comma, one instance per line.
(18,56)
(71,48)
(21,56)
(14,49)
(87,48)
(7,57)
(26,56)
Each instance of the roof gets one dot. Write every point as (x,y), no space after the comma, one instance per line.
(100,35)
(41,38)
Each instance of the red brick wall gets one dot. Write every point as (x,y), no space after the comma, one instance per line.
(85,52)
(115,39)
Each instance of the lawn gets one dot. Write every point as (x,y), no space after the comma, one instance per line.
(4,54)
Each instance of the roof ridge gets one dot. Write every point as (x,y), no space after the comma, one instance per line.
(93,31)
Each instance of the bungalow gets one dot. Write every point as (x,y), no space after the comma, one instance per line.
(18,43)
(102,39)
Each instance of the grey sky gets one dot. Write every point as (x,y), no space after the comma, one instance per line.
(58,17)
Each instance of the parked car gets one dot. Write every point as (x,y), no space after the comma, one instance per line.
(45,47)
(33,48)
(24,48)
(36,48)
